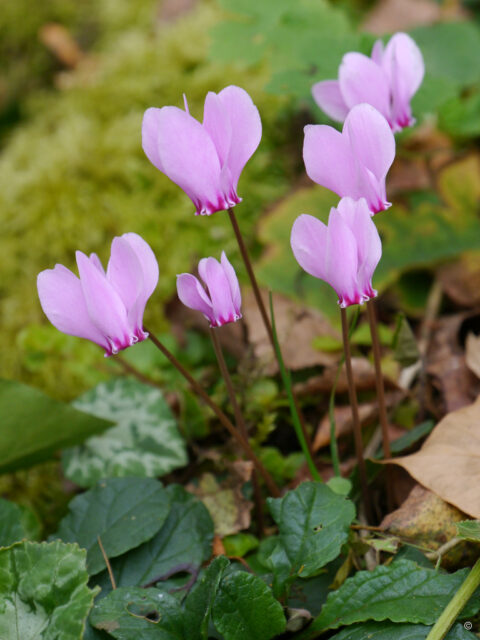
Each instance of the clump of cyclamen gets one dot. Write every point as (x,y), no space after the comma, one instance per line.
(355,162)
(205,159)
(343,253)
(387,80)
(221,303)
(104,307)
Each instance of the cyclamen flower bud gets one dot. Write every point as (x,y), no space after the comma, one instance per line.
(221,303)
(205,160)
(344,254)
(355,162)
(387,80)
(106,308)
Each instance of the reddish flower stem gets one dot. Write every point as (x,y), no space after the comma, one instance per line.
(357,431)
(243,442)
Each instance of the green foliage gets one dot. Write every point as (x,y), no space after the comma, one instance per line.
(245,609)
(185,538)
(46,426)
(123,512)
(388,631)
(145,440)
(400,592)
(17,523)
(469,530)
(43,591)
(313,524)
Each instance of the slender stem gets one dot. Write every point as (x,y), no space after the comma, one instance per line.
(357,432)
(382,407)
(107,563)
(265,318)
(128,368)
(239,420)
(456,604)
(287,383)
(272,487)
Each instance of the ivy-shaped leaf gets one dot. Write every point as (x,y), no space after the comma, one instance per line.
(389,631)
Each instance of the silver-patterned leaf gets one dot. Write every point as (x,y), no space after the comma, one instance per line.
(145,441)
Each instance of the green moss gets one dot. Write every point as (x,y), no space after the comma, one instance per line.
(75,175)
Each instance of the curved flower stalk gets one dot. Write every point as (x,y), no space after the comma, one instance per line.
(387,80)
(355,162)
(221,304)
(344,254)
(104,307)
(205,159)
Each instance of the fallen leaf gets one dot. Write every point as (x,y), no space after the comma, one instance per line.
(449,461)
(460,280)
(343,423)
(472,353)
(297,327)
(400,15)
(171,10)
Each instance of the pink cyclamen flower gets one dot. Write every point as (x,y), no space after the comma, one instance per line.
(344,254)
(355,162)
(205,159)
(104,307)
(221,303)
(387,80)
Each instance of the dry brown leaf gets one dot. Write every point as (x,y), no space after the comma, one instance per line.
(60,42)
(449,461)
(460,280)
(171,10)
(343,423)
(398,15)
(297,326)
(472,353)
(363,373)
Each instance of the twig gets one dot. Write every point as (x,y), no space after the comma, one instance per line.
(128,368)
(107,562)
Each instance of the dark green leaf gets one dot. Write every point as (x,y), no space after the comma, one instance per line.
(132,613)
(245,609)
(124,512)
(185,538)
(313,524)
(469,530)
(43,591)
(400,592)
(16,523)
(389,631)
(144,442)
(46,426)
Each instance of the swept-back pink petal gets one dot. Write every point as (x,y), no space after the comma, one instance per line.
(104,305)
(150,136)
(246,129)
(61,297)
(377,52)
(189,158)
(233,282)
(341,260)
(219,290)
(96,261)
(329,160)
(329,98)
(193,295)
(369,246)
(309,245)
(216,122)
(124,272)
(371,139)
(363,80)
(147,261)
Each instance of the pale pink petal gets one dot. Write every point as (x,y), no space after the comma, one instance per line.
(246,129)
(147,261)
(369,246)
(219,291)
(193,295)
(377,52)
(104,305)
(233,282)
(363,80)
(150,136)
(341,261)
(216,122)
(62,301)
(189,158)
(124,272)
(329,98)
(329,160)
(309,245)
(96,261)
(371,139)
